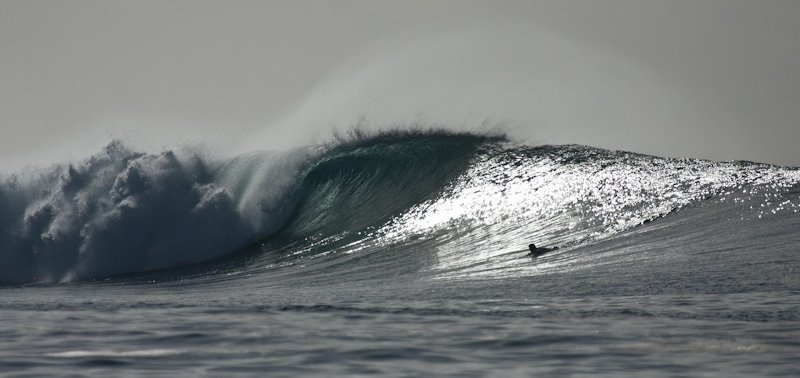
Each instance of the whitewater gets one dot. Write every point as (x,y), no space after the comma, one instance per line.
(400,253)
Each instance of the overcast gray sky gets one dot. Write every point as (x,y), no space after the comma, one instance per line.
(709,79)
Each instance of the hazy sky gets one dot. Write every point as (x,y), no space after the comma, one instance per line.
(710,79)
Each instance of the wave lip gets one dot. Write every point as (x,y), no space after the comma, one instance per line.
(371,179)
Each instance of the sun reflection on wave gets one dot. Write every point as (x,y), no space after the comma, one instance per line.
(564,196)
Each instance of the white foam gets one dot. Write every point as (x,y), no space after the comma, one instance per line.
(120,212)
(113,353)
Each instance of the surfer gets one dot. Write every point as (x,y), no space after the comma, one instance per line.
(538,251)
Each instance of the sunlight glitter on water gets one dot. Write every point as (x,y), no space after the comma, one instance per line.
(508,199)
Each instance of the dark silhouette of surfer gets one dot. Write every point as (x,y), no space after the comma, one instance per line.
(538,251)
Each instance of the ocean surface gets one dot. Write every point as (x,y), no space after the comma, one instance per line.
(400,254)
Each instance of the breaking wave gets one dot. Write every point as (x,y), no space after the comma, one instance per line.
(453,204)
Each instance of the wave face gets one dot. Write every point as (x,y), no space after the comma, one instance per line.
(434,203)
(366,215)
